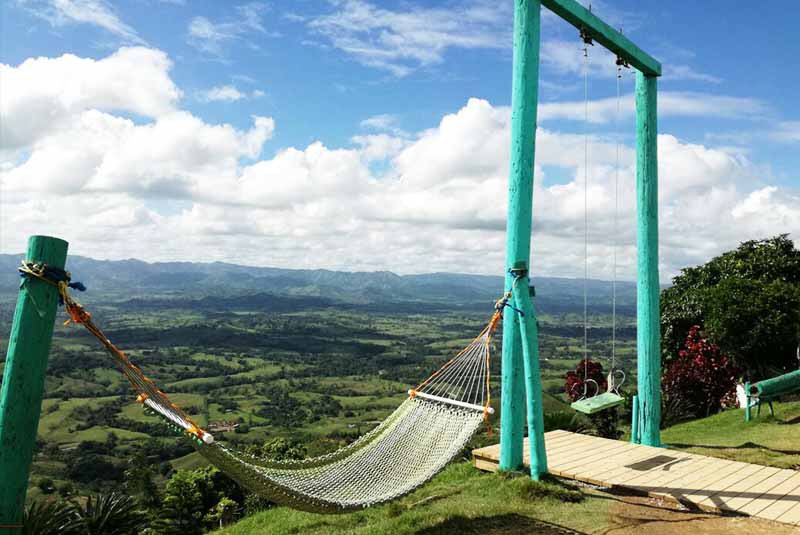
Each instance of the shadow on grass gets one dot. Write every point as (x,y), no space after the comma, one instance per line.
(744,446)
(508,524)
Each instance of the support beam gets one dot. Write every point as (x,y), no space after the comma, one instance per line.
(524,100)
(580,17)
(23,379)
(533,378)
(648,331)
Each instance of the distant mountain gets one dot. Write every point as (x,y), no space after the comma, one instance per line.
(264,287)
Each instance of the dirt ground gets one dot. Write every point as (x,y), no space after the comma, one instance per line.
(634,515)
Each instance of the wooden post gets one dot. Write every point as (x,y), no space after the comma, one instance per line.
(635,420)
(647,288)
(23,379)
(747,402)
(533,382)
(524,100)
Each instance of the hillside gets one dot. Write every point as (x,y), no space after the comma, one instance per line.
(465,501)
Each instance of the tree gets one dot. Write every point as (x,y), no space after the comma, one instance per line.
(191,495)
(756,323)
(139,481)
(223,513)
(183,507)
(278,449)
(746,300)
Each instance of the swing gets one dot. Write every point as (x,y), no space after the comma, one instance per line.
(611,398)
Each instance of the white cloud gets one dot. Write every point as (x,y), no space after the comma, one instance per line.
(402,41)
(211,36)
(93,12)
(685,72)
(225,93)
(384,122)
(433,201)
(41,94)
(670,103)
(788,131)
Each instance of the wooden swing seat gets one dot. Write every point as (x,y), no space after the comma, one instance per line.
(598,403)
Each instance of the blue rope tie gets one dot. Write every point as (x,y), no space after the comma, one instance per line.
(54,275)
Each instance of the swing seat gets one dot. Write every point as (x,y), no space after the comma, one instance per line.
(598,403)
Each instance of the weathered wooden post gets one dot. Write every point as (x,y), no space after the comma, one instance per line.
(23,379)
(533,378)
(516,363)
(647,288)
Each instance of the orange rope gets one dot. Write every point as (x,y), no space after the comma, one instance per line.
(78,314)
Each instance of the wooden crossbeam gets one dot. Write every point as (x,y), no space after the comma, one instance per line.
(580,17)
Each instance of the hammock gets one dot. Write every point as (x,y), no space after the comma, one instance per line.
(406,450)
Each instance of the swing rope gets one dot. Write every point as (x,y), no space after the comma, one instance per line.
(616,226)
(587,41)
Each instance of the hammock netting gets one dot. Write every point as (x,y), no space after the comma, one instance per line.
(407,449)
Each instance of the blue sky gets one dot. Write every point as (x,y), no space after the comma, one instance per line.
(343,72)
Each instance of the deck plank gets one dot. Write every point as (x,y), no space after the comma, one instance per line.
(709,483)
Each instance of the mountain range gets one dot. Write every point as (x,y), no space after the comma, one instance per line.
(227,285)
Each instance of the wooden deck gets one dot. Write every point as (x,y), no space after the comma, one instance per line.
(708,483)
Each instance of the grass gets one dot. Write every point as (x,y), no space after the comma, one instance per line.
(767,440)
(459,500)
(464,500)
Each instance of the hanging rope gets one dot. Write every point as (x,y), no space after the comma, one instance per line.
(616,216)
(587,41)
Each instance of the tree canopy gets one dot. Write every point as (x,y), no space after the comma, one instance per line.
(746,300)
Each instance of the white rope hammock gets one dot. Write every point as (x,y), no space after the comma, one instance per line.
(406,450)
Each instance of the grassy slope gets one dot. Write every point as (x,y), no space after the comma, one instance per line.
(460,494)
(466,494)
(765,440)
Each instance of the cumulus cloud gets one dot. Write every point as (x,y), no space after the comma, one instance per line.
(43,94)
(434,200)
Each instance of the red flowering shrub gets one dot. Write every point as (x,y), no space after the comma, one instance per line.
(575,379)
(701,377)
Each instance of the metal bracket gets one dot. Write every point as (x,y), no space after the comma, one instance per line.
(586,36)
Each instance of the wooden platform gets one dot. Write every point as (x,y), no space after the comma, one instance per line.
(707,483)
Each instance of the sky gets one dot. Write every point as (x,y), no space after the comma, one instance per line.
(368,135)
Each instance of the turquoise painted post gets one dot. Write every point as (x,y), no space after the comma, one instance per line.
(23,379)
(635,420)
(747,401)
(647,288)
(533,375)
(524,100)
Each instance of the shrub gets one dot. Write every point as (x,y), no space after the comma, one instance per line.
(51,518)
(701,380)
(576,380)
(110,514)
